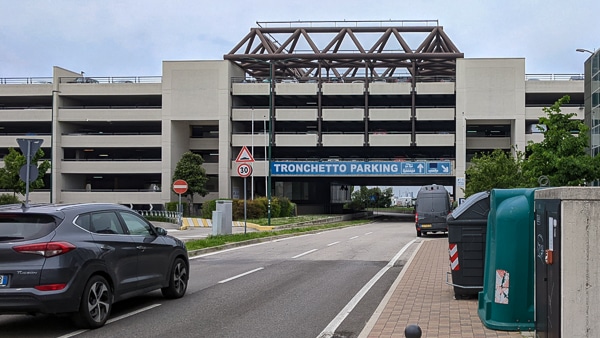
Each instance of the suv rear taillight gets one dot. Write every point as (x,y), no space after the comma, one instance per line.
(45,249)
(416,217)
(50,287)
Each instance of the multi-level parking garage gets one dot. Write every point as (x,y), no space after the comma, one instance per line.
(327,104)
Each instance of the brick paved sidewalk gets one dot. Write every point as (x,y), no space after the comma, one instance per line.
(421,296)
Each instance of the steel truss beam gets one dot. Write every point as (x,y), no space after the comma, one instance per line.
(347,52)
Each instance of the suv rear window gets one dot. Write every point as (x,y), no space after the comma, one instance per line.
(15,227)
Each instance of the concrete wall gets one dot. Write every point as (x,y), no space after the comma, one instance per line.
(580,259)
(197,92)
(488,89)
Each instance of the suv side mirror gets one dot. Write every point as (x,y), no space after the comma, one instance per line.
(161,231)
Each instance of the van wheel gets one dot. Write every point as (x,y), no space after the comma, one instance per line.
(418,233)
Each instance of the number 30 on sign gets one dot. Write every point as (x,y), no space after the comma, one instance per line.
(244,170)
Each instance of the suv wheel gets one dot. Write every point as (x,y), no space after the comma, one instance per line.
(178,280)
(96,303)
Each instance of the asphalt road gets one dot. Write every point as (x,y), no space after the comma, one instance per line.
(325,284)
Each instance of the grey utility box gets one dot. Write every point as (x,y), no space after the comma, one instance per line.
(225,207)
(567,262)
(217,222)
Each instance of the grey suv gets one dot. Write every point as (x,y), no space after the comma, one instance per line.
(81,258)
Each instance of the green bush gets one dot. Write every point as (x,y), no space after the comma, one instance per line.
(172,206)
(287,207)
(154,218)
(207,208)
(263,204)
(256,208)
(237,209)
(275,207)
(354,206)
(9,199)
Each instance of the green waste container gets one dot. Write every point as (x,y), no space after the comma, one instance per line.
(507,299)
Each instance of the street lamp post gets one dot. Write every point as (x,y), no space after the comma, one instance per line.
(55,93)
(270,132)
(582,50)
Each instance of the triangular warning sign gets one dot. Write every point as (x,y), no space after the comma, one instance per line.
(244,156)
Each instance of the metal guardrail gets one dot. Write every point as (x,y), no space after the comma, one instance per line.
(554,77)
(115,80)
(158,79)
(25,80)
(172,216)
(81,79)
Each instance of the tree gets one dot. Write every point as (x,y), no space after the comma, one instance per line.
(371,198)
(497,169)
(189,168)
(385,198)
(9,175)
(562,156)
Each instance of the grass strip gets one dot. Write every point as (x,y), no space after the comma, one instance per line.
(217,240)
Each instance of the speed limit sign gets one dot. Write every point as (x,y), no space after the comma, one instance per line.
(244,170)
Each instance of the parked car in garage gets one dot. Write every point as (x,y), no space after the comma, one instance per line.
(83,80)
(79,259)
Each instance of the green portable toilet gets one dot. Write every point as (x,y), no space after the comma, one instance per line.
(507,300)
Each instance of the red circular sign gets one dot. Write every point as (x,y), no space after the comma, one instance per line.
(244,170)
(180,186)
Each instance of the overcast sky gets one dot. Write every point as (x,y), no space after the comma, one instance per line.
(133,37)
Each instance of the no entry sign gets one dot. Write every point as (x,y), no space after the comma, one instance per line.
(180,187)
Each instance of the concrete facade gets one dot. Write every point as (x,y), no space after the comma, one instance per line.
(118,139)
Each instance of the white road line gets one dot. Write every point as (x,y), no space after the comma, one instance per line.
(73,334)
(132,313)
(227,250)
(329,331)
(289,238)
(240,275)
(355,237)
(247,246)
(368,233)
(334,243)
(112,320)
(305,253)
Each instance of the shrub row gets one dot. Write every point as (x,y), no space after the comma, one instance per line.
(256,208)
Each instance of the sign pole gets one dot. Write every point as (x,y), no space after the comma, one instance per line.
(245,205)
(244,170)
(28,173)
(180,187)
(180,209)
